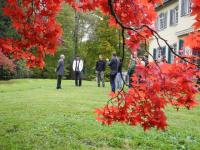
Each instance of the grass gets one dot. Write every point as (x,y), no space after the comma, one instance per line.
(34,115)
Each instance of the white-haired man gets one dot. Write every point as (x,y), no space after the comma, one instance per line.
(60,71)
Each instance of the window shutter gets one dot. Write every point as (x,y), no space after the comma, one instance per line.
(169,56)
(154,53)
(158,23)
(163,52)
(176,15)
(161,21)
(171,17)
(189,6)
(180,46)
(165,20)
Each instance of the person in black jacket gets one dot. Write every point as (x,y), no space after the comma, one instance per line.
(100,68)
(60,71)
(113,63)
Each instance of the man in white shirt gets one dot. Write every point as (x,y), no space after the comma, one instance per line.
(77,68)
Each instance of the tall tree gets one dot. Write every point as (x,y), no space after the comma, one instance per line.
(101,38)
(66,18)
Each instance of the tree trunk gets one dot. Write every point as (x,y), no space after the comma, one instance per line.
(76,30)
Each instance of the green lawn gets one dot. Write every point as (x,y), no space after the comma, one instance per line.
(34,115)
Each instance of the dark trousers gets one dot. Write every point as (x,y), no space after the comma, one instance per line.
(100,77)
(59,77)
(78,78)
(112,81)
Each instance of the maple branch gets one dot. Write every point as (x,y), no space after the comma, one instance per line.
(123,53)
(128,28)
(118,21)
(154,33)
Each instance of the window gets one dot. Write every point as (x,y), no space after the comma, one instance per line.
(174,16)
(159,52)
(161,22)
(170,54)
(185,7)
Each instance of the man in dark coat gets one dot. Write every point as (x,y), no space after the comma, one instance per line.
(113,63)
(60,71)
(100,68)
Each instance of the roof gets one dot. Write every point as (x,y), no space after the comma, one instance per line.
(184,32)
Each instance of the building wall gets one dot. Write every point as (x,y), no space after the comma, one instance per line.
(172,33)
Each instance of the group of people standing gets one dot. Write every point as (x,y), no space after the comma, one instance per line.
(115,65)
(115,75)
(77,68)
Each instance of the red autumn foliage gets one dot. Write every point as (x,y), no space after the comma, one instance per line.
(154,87)
(39,32)
(6,63)
(144,104)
